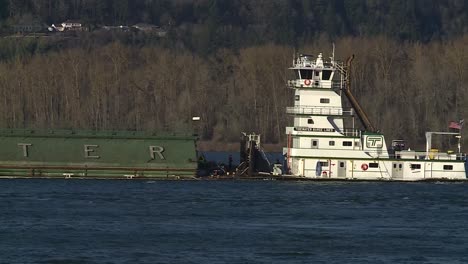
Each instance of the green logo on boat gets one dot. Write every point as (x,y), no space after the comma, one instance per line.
(374,142)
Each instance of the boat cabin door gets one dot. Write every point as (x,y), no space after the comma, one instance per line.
(341,169)
(397,170)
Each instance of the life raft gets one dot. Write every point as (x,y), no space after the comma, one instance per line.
(364,166)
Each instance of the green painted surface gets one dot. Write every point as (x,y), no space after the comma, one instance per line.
(95,154)
(372,133)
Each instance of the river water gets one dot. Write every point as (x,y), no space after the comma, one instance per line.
(128,221)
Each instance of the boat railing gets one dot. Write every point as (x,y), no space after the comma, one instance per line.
(337,85)
(444,156)
(307,110)
(423,155)
(311,83)
(304,61)
(461,156)
(351,132)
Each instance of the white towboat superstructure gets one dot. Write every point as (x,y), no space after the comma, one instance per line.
(319,145)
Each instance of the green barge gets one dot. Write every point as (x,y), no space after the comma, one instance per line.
(99,155)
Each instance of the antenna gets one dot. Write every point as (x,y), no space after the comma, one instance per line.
(294,56)
(333,52)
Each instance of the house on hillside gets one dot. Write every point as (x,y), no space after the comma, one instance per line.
(68,25)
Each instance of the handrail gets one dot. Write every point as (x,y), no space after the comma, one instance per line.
(351,132)
(314,84)
(307,110)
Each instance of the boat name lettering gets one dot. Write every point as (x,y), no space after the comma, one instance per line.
(88,149)
(314,129)
(156,150)
(25,148)
(374,142)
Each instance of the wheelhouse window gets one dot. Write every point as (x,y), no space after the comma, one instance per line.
(324,100)
(347,143)
(310,121)
(297,75)
(448,167)
(331,143)
(306,74)
(415,166)
(326,74)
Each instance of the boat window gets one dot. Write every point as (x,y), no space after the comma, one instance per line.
(347,143)
(399,166)
(296,97)
(297,74)
(331,143)
(373,165)
(310,121)
(415,166)
(317,73)
(326,74)
(341,164)
(324,100)
(394,166)
(448,167)
(306,74)
(314,143)
(323,163)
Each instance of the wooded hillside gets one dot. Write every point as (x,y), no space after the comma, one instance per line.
(205,25)
(227,61)
(406,88)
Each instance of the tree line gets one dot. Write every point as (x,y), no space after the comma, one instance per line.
(406,88)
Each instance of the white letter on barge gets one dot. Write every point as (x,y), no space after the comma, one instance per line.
(88,149)
(156,150)
(25,148)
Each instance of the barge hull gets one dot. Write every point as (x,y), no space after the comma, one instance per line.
(82,154)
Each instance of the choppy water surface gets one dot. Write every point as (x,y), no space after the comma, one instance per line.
(86,221)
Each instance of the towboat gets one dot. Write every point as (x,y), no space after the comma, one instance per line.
(319,146)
